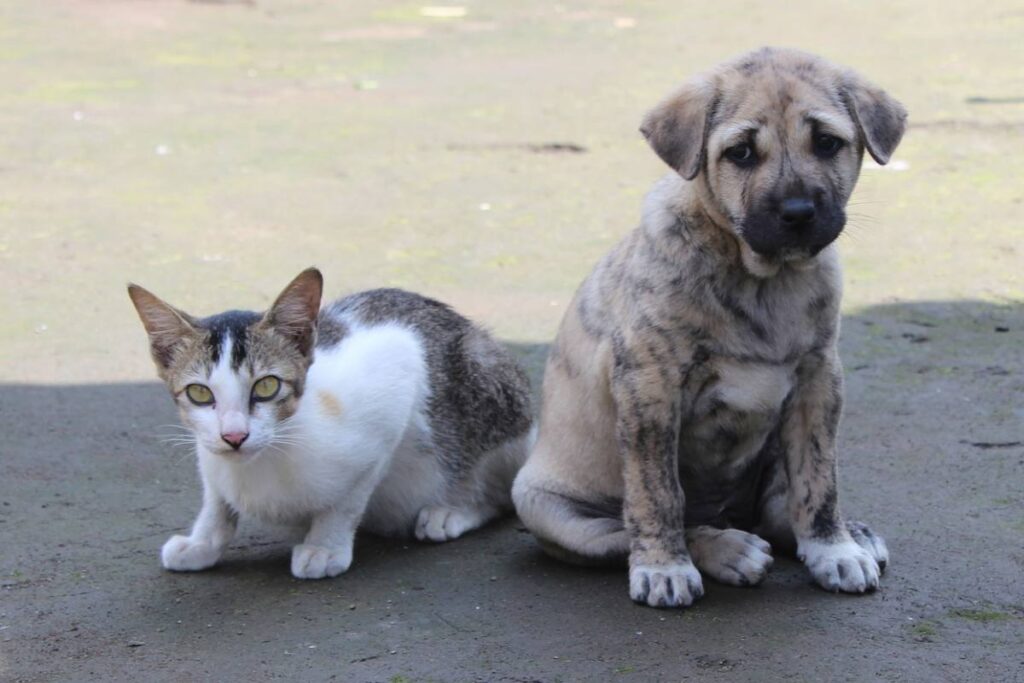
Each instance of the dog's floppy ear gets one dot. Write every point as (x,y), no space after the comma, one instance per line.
(880,118)
(677,129)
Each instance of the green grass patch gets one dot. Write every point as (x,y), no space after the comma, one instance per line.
(925,630)
(982,616)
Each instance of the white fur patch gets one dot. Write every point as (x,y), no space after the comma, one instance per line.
(669,585)
(186,554)
(751,388)
(843,566)
(378,374)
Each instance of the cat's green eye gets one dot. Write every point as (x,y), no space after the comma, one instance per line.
(199,394)
(266,388)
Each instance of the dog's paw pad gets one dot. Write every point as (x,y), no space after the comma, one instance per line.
(844,566)
(665,585)
(317,562)
(732,556)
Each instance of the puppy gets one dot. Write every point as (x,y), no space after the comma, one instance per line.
(692,395)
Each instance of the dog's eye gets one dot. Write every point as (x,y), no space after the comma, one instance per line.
(742,155)
(827,146)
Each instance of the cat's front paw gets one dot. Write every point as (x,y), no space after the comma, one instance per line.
(317,562)
(844,566)
(185,554)
(665,585)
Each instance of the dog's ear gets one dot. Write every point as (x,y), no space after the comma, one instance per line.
(880,118)
(677,129)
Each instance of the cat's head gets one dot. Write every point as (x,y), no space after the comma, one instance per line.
(236,376)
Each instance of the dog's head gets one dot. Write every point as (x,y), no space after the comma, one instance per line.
(775,141)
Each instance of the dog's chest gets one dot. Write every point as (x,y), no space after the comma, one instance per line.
(749,387)
(719,444)
(734,413)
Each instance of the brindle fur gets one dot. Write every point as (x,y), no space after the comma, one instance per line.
(696,378)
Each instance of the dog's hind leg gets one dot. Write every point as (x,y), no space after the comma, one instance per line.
(773,512)
(729,556)
(570,529)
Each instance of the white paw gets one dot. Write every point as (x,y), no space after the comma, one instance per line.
(183,554)
(731,556)
(667,585)
(317,562)
(870,541)
(439,523)
(844,566)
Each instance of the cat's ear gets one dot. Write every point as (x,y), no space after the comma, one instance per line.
(166,326)
(294,313)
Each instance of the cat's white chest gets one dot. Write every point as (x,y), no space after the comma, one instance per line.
(277,488)
(360,412)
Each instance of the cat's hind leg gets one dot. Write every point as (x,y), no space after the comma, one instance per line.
(477,497)
(441,523)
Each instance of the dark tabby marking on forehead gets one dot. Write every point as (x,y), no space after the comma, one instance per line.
(235,324)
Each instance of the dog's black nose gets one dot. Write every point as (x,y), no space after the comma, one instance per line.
(796,211)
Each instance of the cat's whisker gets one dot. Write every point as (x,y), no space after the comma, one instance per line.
(178,440)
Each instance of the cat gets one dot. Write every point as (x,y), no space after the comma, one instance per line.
(385,411)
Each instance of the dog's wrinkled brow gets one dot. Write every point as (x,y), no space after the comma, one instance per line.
(831,123)
(738,130)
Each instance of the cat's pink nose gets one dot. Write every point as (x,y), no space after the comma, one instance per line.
(235,439)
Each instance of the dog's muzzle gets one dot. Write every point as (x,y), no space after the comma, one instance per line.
(795,224)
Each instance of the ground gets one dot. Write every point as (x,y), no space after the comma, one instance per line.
(211,150)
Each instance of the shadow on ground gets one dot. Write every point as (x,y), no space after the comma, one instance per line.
(932,456)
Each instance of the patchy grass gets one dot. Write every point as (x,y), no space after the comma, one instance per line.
(925,631)
(981,616)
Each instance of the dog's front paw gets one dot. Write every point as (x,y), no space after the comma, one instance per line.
(185,554)
(665,585)
(870,541)
(317,562)
(844,566)
(730,556)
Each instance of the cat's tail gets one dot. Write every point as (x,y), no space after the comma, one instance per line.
(499,466)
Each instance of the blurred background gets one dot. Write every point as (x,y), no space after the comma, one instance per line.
(485,153)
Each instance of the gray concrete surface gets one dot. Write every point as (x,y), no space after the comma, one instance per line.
(210,150)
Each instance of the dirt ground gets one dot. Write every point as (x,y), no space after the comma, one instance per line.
(211,150)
